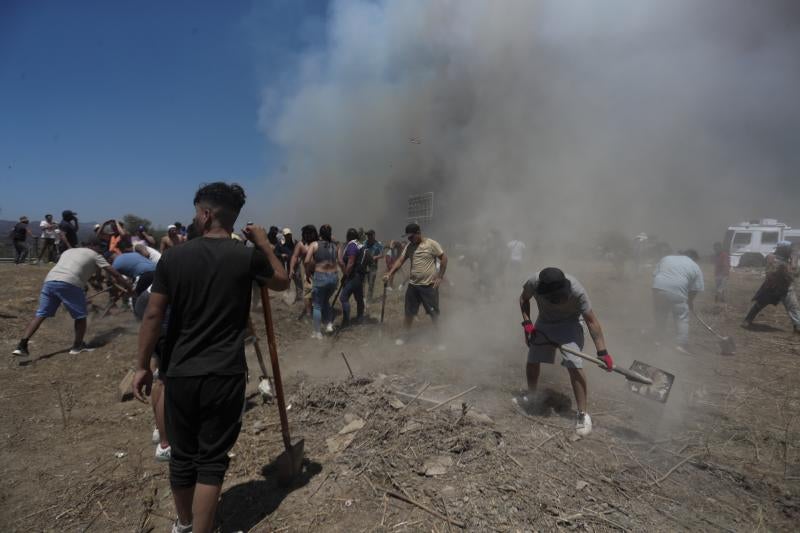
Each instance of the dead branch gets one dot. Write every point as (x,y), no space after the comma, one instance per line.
(426,509)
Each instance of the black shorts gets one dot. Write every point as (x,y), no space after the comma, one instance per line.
(143,282)
(203,417)
(426,295)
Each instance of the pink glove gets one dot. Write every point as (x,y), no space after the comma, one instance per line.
(530,331)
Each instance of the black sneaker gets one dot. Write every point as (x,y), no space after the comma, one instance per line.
(22,349)
(82,347)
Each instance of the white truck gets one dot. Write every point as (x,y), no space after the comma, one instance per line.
(748,243)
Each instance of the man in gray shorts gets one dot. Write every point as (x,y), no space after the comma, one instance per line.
(561,301)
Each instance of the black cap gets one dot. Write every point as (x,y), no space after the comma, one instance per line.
(552,279)
(66,215)
(413,228)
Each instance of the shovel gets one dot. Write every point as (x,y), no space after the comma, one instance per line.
(290,462)
(336,296)
(383,301)
(643,379)
(726,344)
(264,385)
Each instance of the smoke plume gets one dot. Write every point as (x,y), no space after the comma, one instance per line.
(556,119)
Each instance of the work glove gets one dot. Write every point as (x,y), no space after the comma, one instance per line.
(604,356)
(530,331)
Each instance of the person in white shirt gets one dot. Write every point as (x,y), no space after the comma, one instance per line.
(676,282)
(64,285)
(151,253)
(49,235)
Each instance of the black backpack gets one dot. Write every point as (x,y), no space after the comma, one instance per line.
(364,260)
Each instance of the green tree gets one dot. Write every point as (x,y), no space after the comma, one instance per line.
(132,222)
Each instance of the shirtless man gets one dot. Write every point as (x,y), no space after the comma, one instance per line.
(172,238)
(322,263)
(308,236)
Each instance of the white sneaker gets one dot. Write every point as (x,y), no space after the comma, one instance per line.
(399,342)
(177,527)
(329,327)
(583,424)
(265,389)
(163,454)
(316,335)
(156,436)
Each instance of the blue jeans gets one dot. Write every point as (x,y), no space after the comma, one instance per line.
(354,286)
(54,293)
(324,286)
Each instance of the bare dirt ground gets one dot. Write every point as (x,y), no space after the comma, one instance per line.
(722,454)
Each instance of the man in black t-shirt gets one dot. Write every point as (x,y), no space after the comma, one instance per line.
(206,282)
(69,230)
(19,235)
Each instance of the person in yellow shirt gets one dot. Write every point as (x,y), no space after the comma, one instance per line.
(425,276)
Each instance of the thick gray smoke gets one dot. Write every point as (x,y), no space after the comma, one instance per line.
(559,118)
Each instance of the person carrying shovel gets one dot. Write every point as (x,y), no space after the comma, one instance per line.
(561,301)
(207,284)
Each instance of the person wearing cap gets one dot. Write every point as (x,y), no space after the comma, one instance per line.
(69,230)
(375,249)
(424,279)
(141,236)
(285,250)
(778,286)
(49,229)
(562,302)
(64,284)
(172,238)
(677,280)
(182,232)
(19,236)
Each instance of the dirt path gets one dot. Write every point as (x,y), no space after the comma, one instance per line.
(722,454)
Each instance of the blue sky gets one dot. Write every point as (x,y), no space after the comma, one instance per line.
(115,107)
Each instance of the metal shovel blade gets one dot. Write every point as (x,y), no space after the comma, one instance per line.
(661,386)
(290,463)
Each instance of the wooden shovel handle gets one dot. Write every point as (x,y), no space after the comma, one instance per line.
(630,374)
(383,302)
(276,370)
(259,355)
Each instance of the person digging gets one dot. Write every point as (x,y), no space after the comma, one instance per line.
(64,285)
(561,302)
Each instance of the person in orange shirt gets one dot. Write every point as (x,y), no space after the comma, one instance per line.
(116,237)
